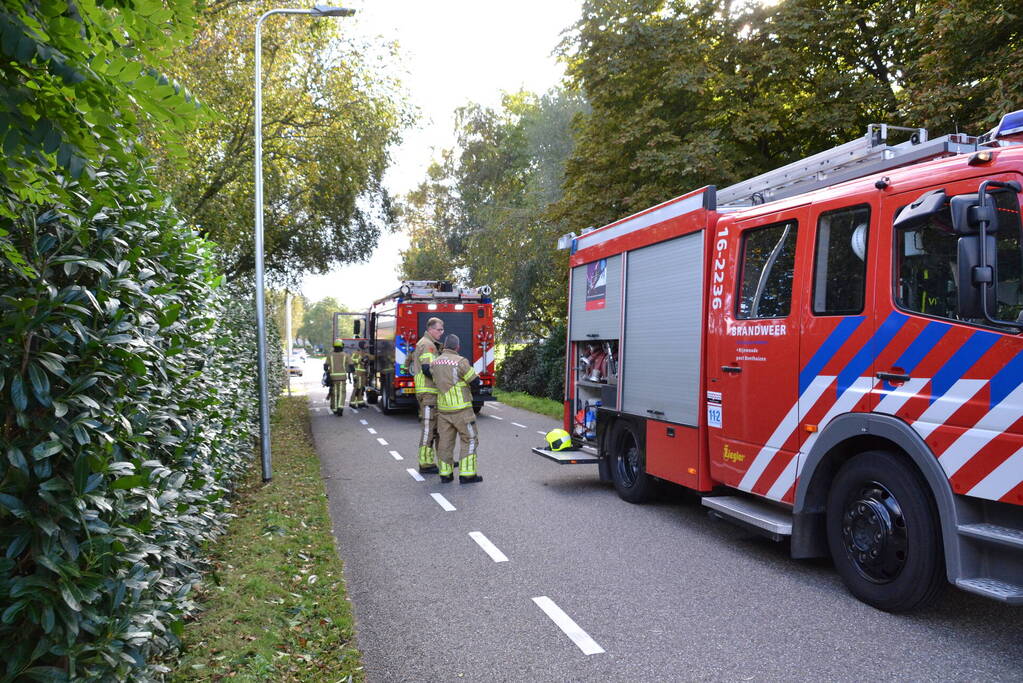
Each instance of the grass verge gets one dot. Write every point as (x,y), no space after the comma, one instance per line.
(521,399)
(275,607)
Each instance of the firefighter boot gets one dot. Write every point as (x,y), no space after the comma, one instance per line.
(467,470)
(447,471)
(426,463)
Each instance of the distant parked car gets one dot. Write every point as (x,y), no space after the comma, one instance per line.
(294,365)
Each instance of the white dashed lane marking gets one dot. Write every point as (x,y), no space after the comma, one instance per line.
(377,408)
(396,455)
(518,425)
(371,430)
(363,422)
(443,502)
(496,417)
(539,432)
(565,623)
(412,472)
(488,547)
(382,442)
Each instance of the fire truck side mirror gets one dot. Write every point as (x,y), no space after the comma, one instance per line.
(920,211)
(967,214)
(972,276)
(358,327)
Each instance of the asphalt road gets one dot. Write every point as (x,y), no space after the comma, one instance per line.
(657,592)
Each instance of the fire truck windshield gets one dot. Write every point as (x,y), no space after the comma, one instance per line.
(926,272)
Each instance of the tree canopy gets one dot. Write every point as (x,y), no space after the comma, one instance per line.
(666,96)
(318,322)
(331,110)
(480,216)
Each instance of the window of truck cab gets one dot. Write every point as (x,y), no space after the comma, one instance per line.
(840,261)
(765,273)
(925,277)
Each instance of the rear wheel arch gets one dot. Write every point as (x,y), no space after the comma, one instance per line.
(852,434)
(626,456)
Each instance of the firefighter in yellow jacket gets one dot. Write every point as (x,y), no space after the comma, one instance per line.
(427,349)
(337,367)
(454,377)
(359,368)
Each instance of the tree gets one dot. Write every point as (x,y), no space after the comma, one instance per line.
(481,215)
(330,114)
(318,321)
(966,55)
(686,94)
(77,80)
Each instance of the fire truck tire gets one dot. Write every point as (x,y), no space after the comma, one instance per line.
(884,534)
(371,396)
(628,465)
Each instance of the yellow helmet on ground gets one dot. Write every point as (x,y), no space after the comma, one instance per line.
(558,439)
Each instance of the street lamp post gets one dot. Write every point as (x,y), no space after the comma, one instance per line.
(264,399)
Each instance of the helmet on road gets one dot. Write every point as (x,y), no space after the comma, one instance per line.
(558,439)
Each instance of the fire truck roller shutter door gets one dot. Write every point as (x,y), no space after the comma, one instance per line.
(597,299)
(663,327)
(459,324)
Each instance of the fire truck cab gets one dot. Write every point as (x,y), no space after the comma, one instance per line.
(397,321)
(830,353)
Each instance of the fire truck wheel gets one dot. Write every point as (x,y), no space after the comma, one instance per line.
(371,396)
(884,533)
(628,465)
(385,403)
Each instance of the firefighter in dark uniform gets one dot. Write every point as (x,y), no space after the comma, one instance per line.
(427,349)
(454,377)
(359,368)
(337,368)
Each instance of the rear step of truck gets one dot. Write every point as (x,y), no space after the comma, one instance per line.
(1002,591)
(583,456)
(761,516)
(992,538)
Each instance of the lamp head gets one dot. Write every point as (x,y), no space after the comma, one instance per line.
(328,11)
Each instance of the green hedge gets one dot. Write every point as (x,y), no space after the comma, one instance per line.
(537,368)
(128,400)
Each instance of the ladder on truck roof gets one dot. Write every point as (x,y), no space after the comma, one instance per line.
(436,289)
(863,156)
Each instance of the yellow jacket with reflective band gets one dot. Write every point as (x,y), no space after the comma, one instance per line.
(425,351)
(338,362)
(360,359)
(452,374)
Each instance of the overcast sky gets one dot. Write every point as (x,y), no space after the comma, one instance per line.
(456,51)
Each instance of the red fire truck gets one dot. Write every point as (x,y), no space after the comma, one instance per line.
(397,321)
(830,353)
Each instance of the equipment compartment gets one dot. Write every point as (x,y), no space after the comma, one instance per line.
(595,376)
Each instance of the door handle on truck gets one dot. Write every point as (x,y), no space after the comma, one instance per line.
(655,412)
(893,377)
(731,368)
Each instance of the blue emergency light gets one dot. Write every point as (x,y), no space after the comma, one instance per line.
(1011,123)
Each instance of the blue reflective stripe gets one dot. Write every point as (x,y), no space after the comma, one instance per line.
(1007,379)
(924,343)
(828,349)
(864,359)
(961,361)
